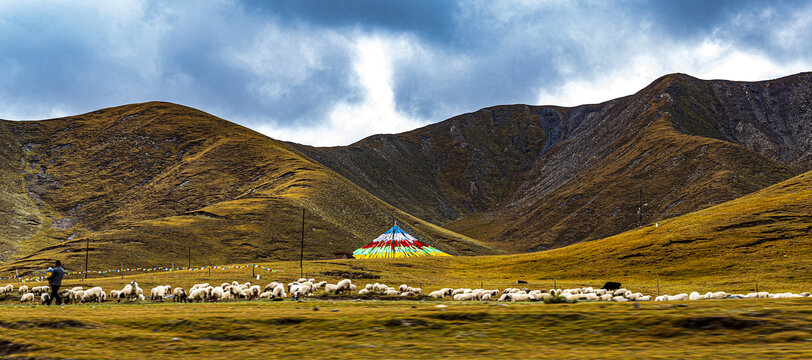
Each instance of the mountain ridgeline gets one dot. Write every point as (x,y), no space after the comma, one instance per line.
(528,178)
(158,183)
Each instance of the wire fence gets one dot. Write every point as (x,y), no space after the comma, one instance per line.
(145,270)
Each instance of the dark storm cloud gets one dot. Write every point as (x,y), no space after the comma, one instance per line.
(513,51)
(194,55)
(431,19)
(750,24)
(290,63)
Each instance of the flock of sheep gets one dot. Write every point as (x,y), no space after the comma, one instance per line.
(308,287)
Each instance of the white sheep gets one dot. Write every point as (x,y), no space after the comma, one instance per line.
(216,293)
(253,292)
(8,289)
(694,296)
(23,289)
(439,294)
(159,292)
(45,297)
(27,297)
(198,294)
(521,297)
(94,294)
(270,286)
(132,291)
(179,295)
(77,296)
(279,291)
(678,297)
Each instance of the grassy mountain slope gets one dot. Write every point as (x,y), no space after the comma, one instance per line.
(147,182)
(763,239)
(530,178)
(765,236)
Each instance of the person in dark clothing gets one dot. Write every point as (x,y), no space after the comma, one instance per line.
(55,276)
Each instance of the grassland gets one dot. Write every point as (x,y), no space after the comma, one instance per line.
(763,239)
(145,182)
(409,329)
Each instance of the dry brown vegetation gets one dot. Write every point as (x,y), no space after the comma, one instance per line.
(145,182)
(529,178)
(148,184)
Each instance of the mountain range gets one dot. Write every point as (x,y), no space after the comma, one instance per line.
(159,183)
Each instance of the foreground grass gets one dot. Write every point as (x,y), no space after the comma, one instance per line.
(406,329)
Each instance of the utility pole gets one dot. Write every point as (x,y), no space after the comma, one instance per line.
(87,256)
(301,253)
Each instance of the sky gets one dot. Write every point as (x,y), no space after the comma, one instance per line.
(331,72)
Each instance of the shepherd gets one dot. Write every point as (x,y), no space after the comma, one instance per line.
(55,275)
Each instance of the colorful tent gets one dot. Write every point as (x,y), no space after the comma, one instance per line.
(396,243)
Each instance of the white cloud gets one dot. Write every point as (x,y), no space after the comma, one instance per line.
(281,58)
(376,114)
(706,60)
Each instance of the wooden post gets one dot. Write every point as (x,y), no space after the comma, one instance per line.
(173,270)
(189,258)
(87,255)
(253,273)
(658,284)
(301,254)
(209,270)
(555,283)
(121,270)
(756,286)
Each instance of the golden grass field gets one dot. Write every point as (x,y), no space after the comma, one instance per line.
(762,239)
(758,328)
